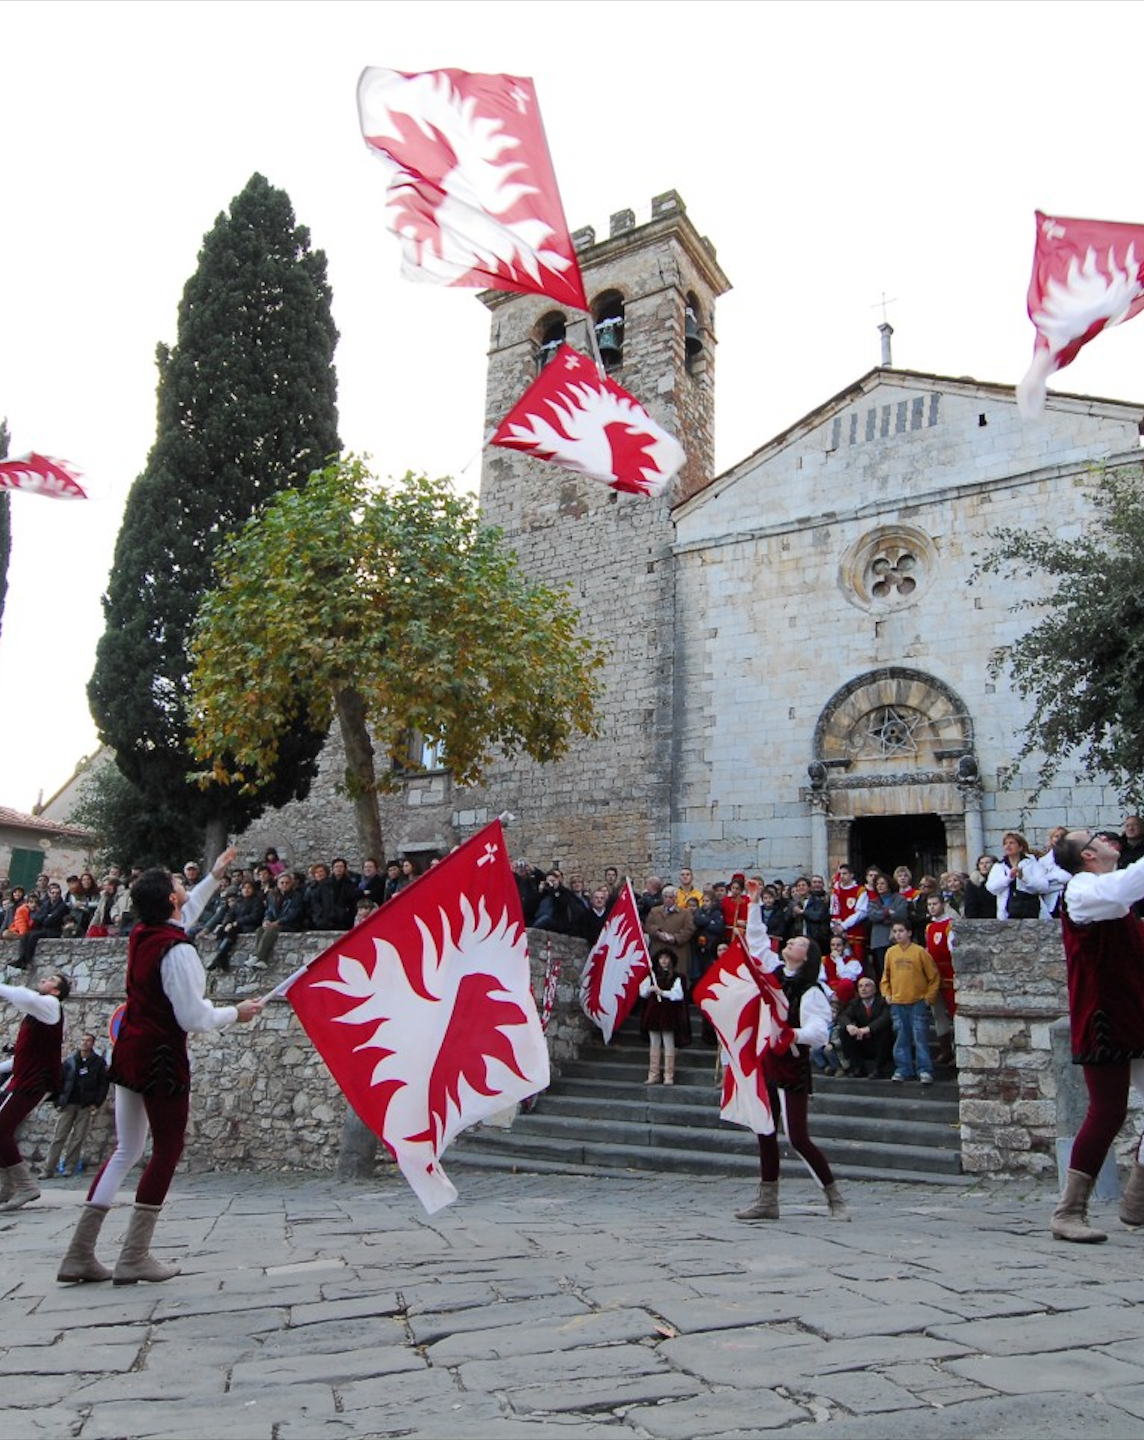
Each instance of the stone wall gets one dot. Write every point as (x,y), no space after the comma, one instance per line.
(261,1097)
(1010,989)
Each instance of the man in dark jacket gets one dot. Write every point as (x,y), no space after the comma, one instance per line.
(83,1089)
(865,1028)
(285,910)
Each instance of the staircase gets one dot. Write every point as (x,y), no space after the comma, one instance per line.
(601,1115)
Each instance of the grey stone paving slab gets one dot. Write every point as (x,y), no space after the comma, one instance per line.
(863,1392)
(607,1327)
(257,1373)
(849,1319)
(764,1356)
(1032,1417)
(320,1312)
(335,1336)
(429,1327)
(724,1414)
(413,1388)
(1086,1372)
(591,1393)
(514,1371)
(705,1312)
(68,1360)
(194,1329)
(200,1382)
(1039,1333)
(149,1420)
(1127,1397)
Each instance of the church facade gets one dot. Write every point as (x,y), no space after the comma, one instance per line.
(800,654)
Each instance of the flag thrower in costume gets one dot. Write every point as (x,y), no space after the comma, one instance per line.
(472,194)
(575,417)
(611,977)
(424,1012)
(42,475)
(1086,278)
(748,1010)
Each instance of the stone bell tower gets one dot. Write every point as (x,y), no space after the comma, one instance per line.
(652,288)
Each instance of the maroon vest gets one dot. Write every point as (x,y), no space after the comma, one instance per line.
(38,1058)
(150,1052)
(1105,963)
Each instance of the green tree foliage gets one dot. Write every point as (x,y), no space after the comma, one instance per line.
(5,524)
(127,830)
(246,408)
(1082,663)
(395,610)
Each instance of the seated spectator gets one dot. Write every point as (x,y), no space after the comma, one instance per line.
(47,924)
(866,1032)
(528,884)
(243,915)
(372,882)
(272,862)
(1017,881)
(17,920)
(555,912)
(829,1058)
(344,890)
(285,911)
(107,918)
(76,920)
(980,904)
(841,969)
(364,908)
(579,893)
(592,920)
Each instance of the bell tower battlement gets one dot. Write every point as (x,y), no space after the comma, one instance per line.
(652,288)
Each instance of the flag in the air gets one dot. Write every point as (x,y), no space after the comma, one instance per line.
(748,1010)
(472,194)
(575,418)
(610,979)
(1086,277)
(42,475)
(424,1012)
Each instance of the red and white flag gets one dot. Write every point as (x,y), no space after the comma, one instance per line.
(575,418)
(42,475)
(424,1012)
(1086,277)
(748,1010)
(610,979)
(472,194)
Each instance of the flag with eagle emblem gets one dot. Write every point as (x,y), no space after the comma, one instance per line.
(610,979)
(471,195)
(424,1012)
(575,418)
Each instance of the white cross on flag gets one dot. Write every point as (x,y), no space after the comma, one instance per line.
(748,1010)
(610,979)
(472,194)
(424,1012)
(42,475)
(575,418)
(1086,278)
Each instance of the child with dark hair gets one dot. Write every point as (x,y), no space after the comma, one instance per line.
(664,1022)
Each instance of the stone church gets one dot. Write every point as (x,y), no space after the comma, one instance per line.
(799,667)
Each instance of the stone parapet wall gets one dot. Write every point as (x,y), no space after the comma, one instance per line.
(261,1097)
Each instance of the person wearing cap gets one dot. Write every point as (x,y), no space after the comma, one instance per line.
(1104,961)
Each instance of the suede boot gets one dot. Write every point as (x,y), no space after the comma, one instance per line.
(1070,1218)
(1132,1201)
(135,1259)
(834,1200)
(669,1069)
(653,1068)
(80,1264)
(6,1185)
(766,1206)
(23,1189)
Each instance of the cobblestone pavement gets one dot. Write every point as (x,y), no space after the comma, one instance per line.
(618,1306)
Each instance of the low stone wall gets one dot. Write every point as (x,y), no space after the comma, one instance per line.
(261,1098)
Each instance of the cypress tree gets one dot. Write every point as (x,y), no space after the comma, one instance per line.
(246,408)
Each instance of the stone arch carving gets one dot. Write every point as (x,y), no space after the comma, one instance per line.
(893,719)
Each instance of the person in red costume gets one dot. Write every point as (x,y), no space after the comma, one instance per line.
(36,1068)
(1104,960)
(735,907)
(945,1006)
(151,1072)
(848,904)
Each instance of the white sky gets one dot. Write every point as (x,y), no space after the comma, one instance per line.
(832,152)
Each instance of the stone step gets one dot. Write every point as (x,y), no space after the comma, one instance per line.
(516,1150)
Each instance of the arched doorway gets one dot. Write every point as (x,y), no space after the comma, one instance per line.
(918,841)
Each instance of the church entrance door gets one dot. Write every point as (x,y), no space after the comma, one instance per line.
(888,841)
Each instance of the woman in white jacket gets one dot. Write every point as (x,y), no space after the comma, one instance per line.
(1018,880)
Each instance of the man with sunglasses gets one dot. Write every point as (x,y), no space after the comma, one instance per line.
(1104,956)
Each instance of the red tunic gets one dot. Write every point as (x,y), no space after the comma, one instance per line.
(937,943)
(151,1052)
(37,1060)
(843,903)
(1105,964)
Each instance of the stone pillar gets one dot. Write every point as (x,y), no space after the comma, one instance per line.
(819,846)
(970,789)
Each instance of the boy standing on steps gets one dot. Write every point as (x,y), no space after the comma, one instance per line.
(910,982)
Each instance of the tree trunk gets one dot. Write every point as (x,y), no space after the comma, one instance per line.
(214,842)
(361,777)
